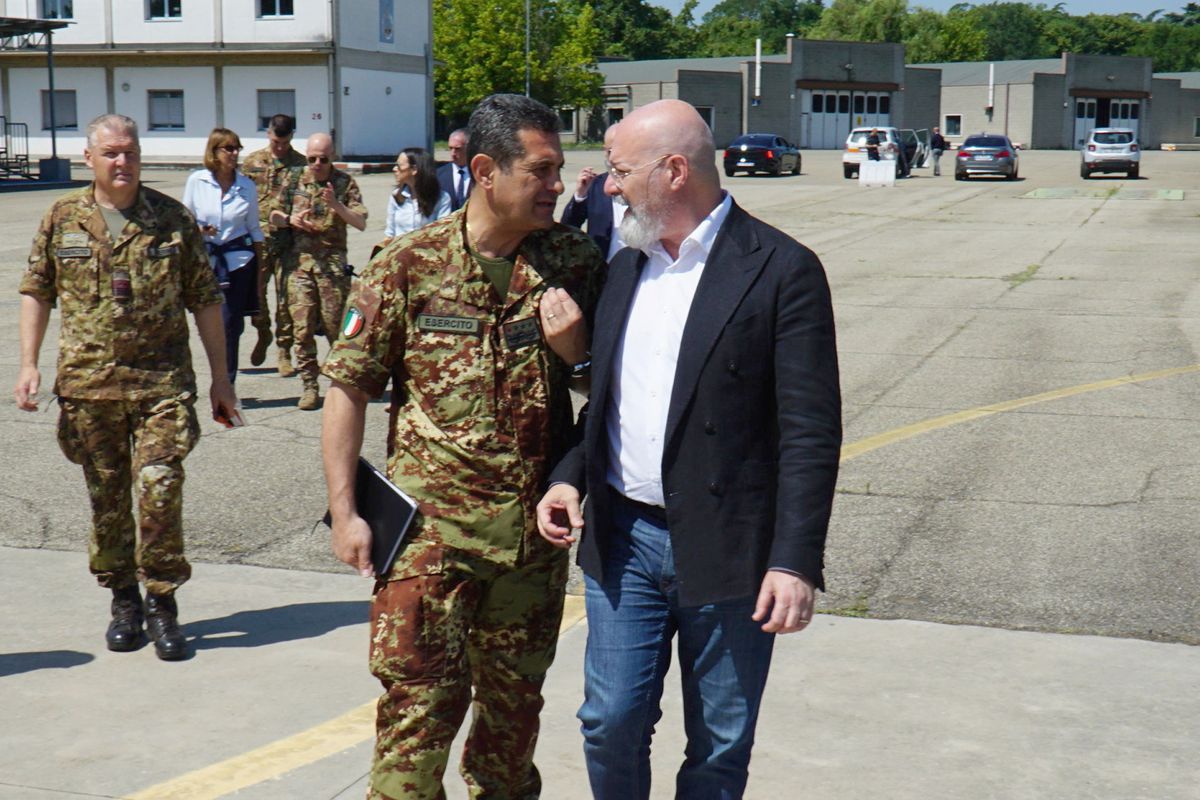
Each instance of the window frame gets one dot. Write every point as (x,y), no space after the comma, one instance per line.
(1196,127)
(277,13)
(45,95)
(58,9)
(956,128)
(150,123)
(566,115)
(262,119)
(166,16)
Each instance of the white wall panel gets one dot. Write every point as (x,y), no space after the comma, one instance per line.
(309,22)
(25,87)
(241,101)
(130,25)
(199,106)
(378,123)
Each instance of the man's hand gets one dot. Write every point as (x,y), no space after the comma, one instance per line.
(584,181)
(25,392)
(222,398)
(352,544)
(558,515)
(785,601)
(301,222)
(327,194)
(563,325)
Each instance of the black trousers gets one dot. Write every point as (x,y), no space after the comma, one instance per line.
(241,301)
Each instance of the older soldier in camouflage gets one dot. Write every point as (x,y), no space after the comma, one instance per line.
(271,168)
(124,262)
(477,320)
(318,206)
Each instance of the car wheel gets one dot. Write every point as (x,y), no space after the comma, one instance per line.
(796,168)
(848,171)
(1012,176)
(1083,172)
(729,172)
(960,176)
(777,170)
(1133,173)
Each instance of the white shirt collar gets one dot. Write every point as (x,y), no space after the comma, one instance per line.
(702,237)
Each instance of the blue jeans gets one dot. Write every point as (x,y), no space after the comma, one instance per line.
(724,657)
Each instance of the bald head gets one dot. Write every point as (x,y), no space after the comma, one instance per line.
(319,150)
(673,126)
(609,135)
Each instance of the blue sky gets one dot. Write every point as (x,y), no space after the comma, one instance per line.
(1074,7)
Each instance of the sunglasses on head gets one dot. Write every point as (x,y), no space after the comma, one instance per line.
(318,159)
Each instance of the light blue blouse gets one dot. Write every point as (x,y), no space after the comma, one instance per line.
(402,219)
(233,214)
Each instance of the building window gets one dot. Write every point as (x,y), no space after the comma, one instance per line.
(706,114)
(1196,127)
(64,110)
(166,111)
(274,8)
(1133,110)
(859,103)
(843,104)
(164,9)
(566,120)
(275,101)
(885,104)
(615,115)
(953,125)
(58,9)
(818,103)
(872,104)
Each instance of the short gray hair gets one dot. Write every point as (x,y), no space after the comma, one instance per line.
(497,121)
(113,122)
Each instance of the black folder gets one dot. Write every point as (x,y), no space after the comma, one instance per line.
(387,509)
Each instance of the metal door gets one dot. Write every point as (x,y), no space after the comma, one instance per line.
(1085,119)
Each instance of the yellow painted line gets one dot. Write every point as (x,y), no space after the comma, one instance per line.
(916,429)
(307,747)
(357,726)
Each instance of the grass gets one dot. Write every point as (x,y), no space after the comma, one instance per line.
(1017,278)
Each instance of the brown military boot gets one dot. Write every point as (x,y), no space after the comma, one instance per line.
(311,398)
(163,627)
(259,354)
(125,631)
(286,370)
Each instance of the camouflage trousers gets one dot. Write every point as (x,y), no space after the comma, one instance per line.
(442,623)
(119,443)
(316,297)
(278,266)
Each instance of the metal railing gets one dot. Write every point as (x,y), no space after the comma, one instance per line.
(14,150)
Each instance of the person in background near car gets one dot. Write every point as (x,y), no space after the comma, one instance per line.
(873,144)
(225,205)
(418,198)
(591,204)
(455,177)
(936,146)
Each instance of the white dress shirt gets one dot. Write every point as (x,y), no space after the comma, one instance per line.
(233,213)
(406,217)
(644,368)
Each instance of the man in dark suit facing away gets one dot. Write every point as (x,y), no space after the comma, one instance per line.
(592,205)
(709,457)
(455,177)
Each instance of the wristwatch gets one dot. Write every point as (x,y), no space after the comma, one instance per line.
(582,369)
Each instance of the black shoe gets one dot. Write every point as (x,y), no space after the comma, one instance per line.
(125,631)
(163,628)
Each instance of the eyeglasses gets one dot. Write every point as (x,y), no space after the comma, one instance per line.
(231,148)
(318,159)
(619,175)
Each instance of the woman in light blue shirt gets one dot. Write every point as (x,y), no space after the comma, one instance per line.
(418,199)
(225,205)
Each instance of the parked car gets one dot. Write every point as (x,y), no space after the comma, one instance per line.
(893,142)
(986,154)
(1110,150)
(761,152)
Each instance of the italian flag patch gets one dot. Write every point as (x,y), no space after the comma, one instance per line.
(352,323)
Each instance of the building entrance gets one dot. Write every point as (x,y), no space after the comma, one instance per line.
(1104,112)
(830,114)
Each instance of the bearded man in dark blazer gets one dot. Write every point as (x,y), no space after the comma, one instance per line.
(709,458)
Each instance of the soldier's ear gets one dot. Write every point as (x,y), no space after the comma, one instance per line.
(483,170)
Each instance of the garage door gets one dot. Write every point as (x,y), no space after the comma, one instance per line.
(832,113)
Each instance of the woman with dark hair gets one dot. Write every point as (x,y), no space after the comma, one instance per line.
(418,199)
(225,205)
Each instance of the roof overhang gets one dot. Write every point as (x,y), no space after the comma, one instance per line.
(1115,94)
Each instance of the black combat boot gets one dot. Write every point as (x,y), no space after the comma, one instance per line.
(125,631)
(163,628)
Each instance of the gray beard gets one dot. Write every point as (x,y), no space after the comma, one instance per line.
(644,226)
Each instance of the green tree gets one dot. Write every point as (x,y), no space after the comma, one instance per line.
(930,37)
(862,21)
(563,41)
(1174,47)
(637,30)
(1013,31)
(731,26)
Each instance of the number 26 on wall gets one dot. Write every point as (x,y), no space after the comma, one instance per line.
(316,115)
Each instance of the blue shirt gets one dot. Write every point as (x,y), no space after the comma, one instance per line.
(234,213)
(402,219)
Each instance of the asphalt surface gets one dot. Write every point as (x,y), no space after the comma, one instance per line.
(1074,513)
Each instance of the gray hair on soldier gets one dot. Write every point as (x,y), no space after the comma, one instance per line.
(498,119)
(118,123)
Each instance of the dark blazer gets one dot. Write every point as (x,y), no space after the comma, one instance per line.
(753,437)
(445,175)
(596,211)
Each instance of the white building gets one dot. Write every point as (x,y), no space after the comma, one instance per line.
(359,68)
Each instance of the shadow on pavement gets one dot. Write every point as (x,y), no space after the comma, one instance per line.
(16,663)
(274,625)
(278,402)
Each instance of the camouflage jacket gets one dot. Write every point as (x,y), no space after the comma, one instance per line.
(270,175)
(124,334)
(327,247)
(481,407)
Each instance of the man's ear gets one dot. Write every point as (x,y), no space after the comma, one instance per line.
(483,170)
(87,158)
(680,169)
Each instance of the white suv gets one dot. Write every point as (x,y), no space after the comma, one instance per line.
(1110,150)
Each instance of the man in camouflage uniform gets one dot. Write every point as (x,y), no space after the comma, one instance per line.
(270,168)
(125,261)
(318,206)
(477,319)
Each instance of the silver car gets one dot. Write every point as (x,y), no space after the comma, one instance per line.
(1110,150)
(986,154)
